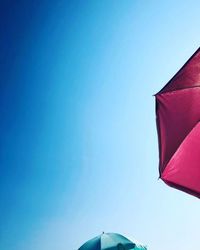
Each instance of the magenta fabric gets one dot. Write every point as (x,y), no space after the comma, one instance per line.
(178,126)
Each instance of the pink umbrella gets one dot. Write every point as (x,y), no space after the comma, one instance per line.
(178,126)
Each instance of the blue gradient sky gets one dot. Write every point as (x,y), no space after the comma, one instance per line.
(78,148)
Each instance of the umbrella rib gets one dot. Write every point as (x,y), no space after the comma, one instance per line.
(180,89)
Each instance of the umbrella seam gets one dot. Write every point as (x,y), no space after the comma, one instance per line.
(165,166)
(181,89)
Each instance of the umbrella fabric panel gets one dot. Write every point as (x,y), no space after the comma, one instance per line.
(177,113)
(113,239)
(183,169)
(187,77)
(93,244)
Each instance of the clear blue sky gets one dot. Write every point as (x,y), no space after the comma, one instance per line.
(78,148)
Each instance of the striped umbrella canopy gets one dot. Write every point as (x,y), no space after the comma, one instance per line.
(111,241)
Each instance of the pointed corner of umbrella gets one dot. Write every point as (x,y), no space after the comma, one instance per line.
(155,95)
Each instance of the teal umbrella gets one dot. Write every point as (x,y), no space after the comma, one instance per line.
(111,241)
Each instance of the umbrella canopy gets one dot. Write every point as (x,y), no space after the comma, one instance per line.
(111,241)
(178,126)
